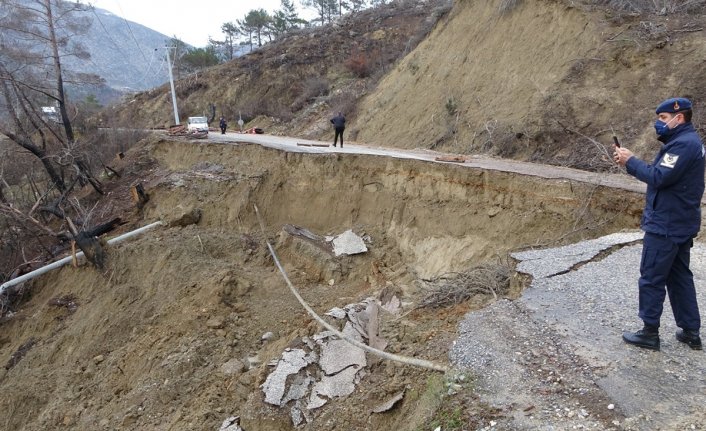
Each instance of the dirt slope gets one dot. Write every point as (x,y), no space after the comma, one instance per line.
(169,337)
(293,84)
(527,82)
(536,80)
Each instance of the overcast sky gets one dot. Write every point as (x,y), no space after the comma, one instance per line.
(192,21)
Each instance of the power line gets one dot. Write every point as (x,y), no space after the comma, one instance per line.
(127,23)
(143,79)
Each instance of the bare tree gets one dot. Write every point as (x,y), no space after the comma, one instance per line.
(326,9)
(35,36)
(230,32)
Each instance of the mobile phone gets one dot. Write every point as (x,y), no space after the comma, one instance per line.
(616,141)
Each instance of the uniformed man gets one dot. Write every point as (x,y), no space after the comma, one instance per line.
(671,219)
(339,125)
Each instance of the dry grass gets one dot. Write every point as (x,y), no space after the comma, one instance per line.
(640,7)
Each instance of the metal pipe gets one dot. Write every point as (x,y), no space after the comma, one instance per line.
(64,261)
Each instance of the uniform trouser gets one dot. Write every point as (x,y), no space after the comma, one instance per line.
(666,263)
(339,132)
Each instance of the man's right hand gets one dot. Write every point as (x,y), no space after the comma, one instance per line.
(621,155)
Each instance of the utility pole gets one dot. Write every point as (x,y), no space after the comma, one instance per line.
(171,82)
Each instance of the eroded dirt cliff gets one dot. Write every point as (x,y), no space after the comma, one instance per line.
(170,335)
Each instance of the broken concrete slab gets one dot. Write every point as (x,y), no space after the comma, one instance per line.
(298,414)
(389,403)
(337,385)
(336,365)
(336,313)
(298,388)
(231,424)
(275,385)
(393,305)
(536,263)
(348,243)
(337,355)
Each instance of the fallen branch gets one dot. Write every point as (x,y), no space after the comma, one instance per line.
(21,217)
(397,358)
(299,144)
(456,159)
(455,288)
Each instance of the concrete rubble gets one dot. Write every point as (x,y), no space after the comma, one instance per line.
(231,424)
(389,403)
(347,243)
(324,367)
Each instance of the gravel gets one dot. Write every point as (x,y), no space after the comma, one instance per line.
(554,358)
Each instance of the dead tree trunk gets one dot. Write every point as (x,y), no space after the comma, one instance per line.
(89,245)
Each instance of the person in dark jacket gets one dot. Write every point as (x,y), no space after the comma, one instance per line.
(339,125)
(671,219)
(223,125)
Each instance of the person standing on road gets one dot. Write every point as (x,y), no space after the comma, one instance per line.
(223,125)
(339,125)
(671,219)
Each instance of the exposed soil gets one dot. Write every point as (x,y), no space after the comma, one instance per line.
(538,80)
(170,335)
(143,344)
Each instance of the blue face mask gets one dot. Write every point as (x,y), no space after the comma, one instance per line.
(662,128)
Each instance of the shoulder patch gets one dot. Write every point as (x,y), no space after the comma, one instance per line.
(669,160)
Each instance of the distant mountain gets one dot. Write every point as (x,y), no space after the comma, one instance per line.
(129,56)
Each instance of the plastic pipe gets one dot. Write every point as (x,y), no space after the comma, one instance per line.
(64,261)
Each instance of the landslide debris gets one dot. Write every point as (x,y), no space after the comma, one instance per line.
(180,330)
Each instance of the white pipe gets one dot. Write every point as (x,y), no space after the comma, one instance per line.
(64,261)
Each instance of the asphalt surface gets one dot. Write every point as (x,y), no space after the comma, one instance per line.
(559,346)
(621,181)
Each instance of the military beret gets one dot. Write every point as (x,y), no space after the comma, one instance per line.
(675,104)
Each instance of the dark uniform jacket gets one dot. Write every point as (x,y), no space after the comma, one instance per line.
(339,122)
(675,184)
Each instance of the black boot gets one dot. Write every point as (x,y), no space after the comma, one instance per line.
(647,338)
(690,338)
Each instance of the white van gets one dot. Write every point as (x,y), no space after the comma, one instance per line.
(197,124)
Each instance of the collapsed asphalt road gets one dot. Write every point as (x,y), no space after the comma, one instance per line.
(555,359)
(284,143)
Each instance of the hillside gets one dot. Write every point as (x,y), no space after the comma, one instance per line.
(173,334)
(538,82)
(293,84)
(544,81)
(505,273)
